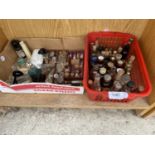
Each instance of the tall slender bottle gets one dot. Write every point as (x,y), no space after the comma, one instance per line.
(126,48)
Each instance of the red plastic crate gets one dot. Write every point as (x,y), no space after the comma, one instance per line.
(139,72)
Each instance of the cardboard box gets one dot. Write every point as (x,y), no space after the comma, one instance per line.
(10,56)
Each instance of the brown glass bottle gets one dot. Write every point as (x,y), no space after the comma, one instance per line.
(126,48)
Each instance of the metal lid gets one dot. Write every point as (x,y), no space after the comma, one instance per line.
(110,64)
(120,62)
(107,77)
(102,70)
(118,56)
(100,58)
(56,76)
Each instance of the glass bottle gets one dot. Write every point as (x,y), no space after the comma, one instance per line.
(132,86)
(35,74)
(125,79)
(106,81)
(93,59)
(126,48)
(117,86)
(97,84)
(120,49)
(119,74)
(16,74)
(24,79)
(16,46)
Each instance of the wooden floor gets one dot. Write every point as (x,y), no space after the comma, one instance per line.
(65,101)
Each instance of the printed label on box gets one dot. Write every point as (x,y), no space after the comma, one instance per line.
(40,88)
(117,95)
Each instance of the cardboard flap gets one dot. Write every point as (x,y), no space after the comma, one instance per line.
(10,58)
(72,43)
(3,40)
(34,43)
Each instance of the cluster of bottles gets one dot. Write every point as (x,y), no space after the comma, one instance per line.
(42,65)
(110,69)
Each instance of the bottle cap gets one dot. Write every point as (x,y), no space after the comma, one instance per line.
(115,52)
(110,64)
(120,70)
(51,54)
(120,62)
(15,44)
(100,58)
(118,56)
(107,78)
(120,49)
(117,85)
(56,76)
(102,70)
(112,58)
(93,59)
(125,78)
(42,51)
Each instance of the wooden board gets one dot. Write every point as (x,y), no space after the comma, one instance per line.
(149,114)
(63,28)
(65,101)
(147,43)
